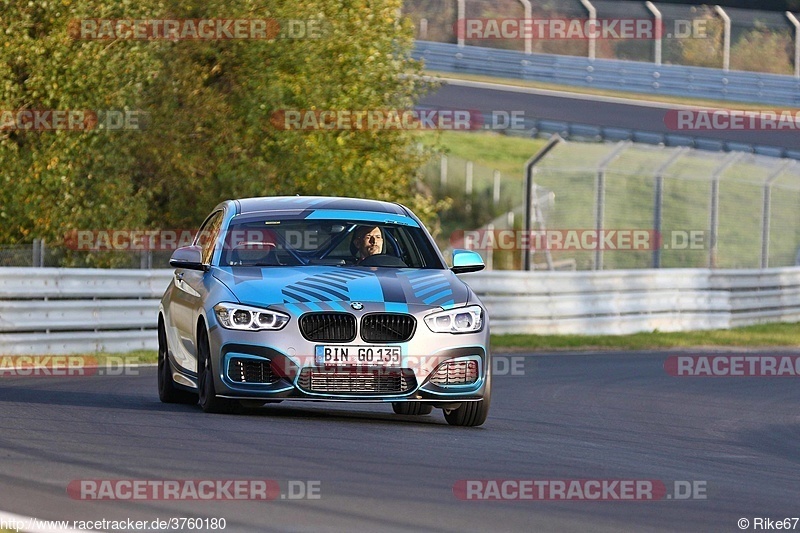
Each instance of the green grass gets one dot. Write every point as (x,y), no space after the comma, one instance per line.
(128,358)
(766,335)
(131,358)
(489,150)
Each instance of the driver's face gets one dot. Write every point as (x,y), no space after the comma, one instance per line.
(371,243)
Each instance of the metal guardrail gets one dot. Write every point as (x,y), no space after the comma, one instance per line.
(60,311)
(628,301)
(618,75)
(572,130)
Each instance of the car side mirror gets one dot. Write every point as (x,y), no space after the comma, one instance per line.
(467,261)
(189,257)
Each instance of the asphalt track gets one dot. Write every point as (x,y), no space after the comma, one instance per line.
(568,416)
(590,110)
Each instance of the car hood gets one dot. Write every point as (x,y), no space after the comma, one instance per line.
(323,287)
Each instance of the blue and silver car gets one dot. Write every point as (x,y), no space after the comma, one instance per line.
(320,298)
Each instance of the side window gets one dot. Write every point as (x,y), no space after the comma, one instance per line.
(207,236)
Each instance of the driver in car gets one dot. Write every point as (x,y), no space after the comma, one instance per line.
(368,241)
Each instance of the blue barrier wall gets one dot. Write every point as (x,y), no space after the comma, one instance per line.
(618,75)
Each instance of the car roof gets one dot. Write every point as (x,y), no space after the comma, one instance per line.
(275,203)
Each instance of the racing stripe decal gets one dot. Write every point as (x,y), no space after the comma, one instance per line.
(433,288)
(290,297)
(307,284)
(327,287)
(392,291)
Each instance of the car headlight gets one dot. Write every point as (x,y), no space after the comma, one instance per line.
(463,320)
(243,317)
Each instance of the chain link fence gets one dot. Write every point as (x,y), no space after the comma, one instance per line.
(759,41)
(41,254)
(692,208)
(696,209)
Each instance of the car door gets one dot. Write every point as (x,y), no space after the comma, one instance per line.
(189,294)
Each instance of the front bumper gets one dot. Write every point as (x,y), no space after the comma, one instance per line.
(290,371)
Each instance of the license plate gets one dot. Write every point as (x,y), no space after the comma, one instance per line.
(359,355)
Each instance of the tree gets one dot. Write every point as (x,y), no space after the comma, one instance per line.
(208,104)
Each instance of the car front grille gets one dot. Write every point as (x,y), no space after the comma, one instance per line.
(245,370)
(456,373)
(328,327)
(387,327)
(357,381)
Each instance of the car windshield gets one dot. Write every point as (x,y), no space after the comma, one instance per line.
(266,242)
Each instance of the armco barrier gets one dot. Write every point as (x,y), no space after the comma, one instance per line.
(59,311)
(627,301)
(633,76)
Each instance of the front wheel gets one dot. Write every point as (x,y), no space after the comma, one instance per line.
(168,392)
(205,379)
(471,413)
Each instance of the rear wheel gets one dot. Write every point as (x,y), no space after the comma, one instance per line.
(471,413)
(205,379)
(168,392)
(412,408)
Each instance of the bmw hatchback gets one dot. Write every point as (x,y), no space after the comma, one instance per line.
(318,298)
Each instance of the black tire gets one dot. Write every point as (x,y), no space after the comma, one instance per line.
(168,392)
(205,379)
(471,414)
(412,408)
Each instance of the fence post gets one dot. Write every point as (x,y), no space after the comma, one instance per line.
(796,24)
(468,185)
(490,248)
(726,37)
(766,209)
(658,203)
(714,215)
(659,31)
(593,23)
(461,25)
(36,253)
(496,188)
(526,4)
(600,198)
(529,169)
(423,29)
(510,223)
(443,171)
(537,210)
